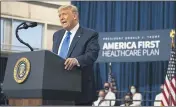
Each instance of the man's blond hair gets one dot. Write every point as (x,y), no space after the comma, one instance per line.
(73,8)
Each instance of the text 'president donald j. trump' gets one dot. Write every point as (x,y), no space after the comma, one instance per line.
(79,47)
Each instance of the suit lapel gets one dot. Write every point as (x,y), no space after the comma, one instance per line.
(59,39)
(75,40)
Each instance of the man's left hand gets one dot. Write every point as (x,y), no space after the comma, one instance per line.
(70,63)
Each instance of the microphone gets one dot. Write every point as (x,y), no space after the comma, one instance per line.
(27,25)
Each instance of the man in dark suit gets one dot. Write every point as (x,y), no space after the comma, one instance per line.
(79,47)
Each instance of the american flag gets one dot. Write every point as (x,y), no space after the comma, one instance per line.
(109,74)
(169,92)
(111,79)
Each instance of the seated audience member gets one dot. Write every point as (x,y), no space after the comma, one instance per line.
(100,101)
(127,100)
(110,95)
(135,96)
(159,97)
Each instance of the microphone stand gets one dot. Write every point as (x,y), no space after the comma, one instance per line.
(17,36)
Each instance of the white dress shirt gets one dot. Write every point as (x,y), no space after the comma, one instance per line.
(110,96)
(103,103)
(158,97)
(73,32)
(122,105)
(137,96)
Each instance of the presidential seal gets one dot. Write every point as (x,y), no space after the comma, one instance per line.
(21,70)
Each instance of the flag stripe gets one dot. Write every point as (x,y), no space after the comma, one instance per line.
(169,92)
(165,94)
(165,101)
(173,95)
(170,89)
(172,85)
(174,91)
(173,102)
(169,85)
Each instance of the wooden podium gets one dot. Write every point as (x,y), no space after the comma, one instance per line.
(37,102)
(39,78)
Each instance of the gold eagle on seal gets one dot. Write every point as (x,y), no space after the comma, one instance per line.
(21,70)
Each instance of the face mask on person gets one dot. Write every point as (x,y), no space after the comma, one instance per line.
(133,90)
(106,88)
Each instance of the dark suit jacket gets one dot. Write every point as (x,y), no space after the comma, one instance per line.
(85,49)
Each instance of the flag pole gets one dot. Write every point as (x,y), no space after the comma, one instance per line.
(110,74)
(110,71)
(111,78)
(169,75)
(172,35)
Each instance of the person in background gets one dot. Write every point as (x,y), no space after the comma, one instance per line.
(110,95)
(100,101)
(136,96)
(159,97)
(127,100)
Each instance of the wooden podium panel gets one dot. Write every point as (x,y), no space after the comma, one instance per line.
(38,102)
(25,102)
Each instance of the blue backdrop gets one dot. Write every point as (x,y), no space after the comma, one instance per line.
(117,16)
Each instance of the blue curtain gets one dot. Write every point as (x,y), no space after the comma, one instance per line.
(115,16)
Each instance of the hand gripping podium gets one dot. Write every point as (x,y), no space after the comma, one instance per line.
(39,78)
